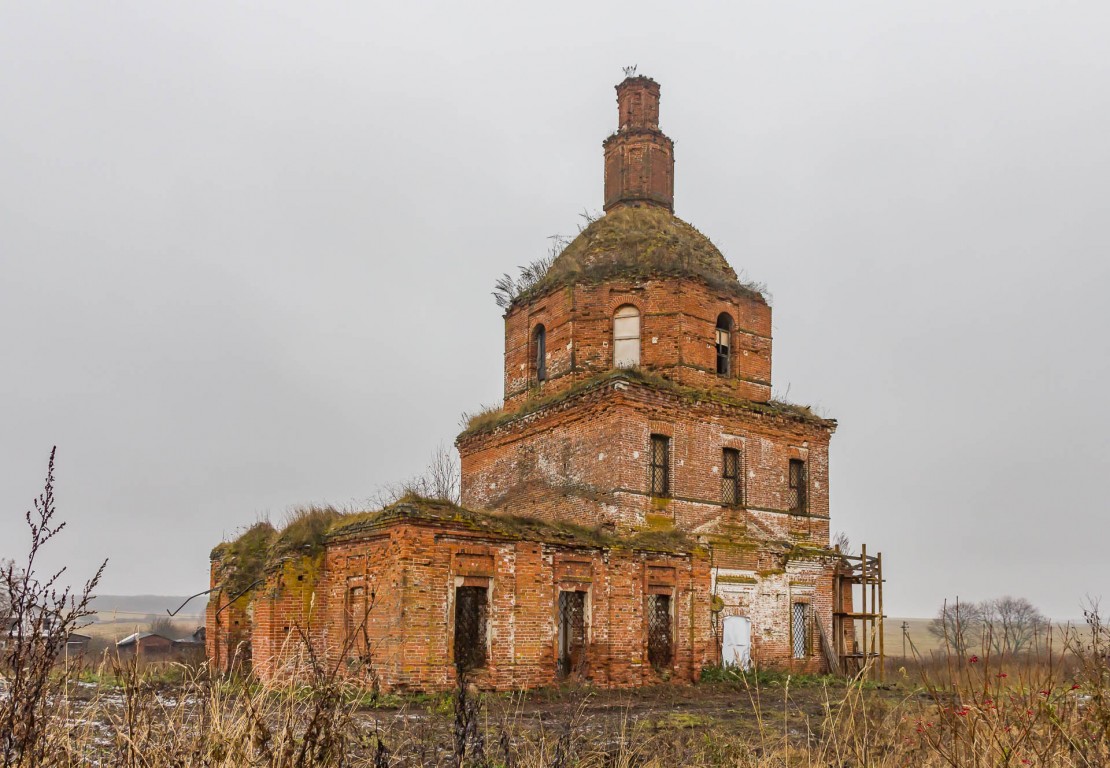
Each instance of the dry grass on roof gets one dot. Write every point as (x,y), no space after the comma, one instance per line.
(245,558)
(493,417)
(640,243)
(305,530)
(248,558)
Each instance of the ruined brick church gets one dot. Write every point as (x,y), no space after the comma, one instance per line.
(637,510)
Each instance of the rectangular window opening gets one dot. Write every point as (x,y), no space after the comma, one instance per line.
(471,616)
(723,353)
(541,354)
(796,496)
(800,630)
(732,477)
(572,633)
(660,637)
(660,466)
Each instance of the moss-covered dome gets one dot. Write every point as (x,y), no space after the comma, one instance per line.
(638,243)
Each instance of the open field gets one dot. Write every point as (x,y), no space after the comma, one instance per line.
(1044,710)
(112,631)
(918,636)
(118,624)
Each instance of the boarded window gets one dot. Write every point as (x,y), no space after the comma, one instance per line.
(539,353)
(724,344)
(660,465)
(626,337)
(660,637)
(356,618)
(732,477)
(799,629)
(355,613)
(796,492)
(572,632)
(470,627)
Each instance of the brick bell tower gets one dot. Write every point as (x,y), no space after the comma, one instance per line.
(638,378)
(639,158)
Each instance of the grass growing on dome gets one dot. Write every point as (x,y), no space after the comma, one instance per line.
(637,243)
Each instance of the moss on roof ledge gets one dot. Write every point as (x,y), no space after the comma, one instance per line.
(261,548)
(639,243)
(492,419)
(509,526)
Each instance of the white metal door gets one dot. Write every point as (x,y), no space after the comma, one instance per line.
(736,645)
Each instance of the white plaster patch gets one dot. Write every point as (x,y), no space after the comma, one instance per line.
(715,470)
(635,454)
(601,457)
(654,339)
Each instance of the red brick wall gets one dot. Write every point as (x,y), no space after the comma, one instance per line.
(639,158)
(414,569)
(677,340)
(228,626)
(766,597)
(585,460)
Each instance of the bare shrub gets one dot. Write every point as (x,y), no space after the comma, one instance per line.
(959,625)
(162,625)
(1004,625)
(41,614)
(440,481)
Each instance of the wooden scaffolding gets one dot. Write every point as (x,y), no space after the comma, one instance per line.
(858,614)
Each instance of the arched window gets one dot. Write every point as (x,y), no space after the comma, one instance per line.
(626,337)
(724,344)
(539,353)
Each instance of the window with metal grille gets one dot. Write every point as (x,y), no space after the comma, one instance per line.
(660,638)
(626,337)
(796,493)
(539,352)
(660,465)
(724,344)
(471,608)
(572,632)
(732,477)
(800,630)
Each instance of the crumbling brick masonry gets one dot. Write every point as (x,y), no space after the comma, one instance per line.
(637,509)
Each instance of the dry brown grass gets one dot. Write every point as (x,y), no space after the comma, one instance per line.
(1049,709)
(1052,709)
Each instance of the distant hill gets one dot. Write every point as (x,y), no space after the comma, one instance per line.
(126,606)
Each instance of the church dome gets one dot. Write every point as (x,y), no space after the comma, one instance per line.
(639,237)
(639,242)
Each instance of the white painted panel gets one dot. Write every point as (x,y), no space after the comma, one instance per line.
(626,353)
(736,645)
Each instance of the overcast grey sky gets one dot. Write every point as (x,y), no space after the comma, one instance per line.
(247,253)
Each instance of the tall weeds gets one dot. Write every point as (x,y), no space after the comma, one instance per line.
(38,617)
(1050,708)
